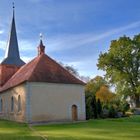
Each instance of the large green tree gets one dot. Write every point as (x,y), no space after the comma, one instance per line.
(122,66)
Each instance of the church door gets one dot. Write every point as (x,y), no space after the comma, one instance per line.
(74,113)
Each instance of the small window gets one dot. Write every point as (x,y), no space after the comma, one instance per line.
(19,103)
(12,104)
(1,105)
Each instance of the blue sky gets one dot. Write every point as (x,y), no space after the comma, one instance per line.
(74,31)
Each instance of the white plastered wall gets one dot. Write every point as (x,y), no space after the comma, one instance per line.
(53,102)
(15,115)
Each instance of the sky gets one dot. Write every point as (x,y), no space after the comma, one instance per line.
(74,32)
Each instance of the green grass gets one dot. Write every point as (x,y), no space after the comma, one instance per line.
(108,129)
(16,131)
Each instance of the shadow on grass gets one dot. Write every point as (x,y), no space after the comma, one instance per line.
(18,137)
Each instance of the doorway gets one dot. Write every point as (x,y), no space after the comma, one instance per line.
(74,113)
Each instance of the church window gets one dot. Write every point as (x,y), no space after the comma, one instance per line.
(12,104)
(19,103)
(1,105)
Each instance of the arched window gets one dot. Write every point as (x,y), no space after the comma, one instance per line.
(19,103)
(1,105)
(74,113)
(12,104)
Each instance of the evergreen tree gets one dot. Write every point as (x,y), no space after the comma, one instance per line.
(99,108)
(94,107)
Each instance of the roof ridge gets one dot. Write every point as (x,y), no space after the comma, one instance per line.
(39,57)
(21,68)
(42,69)
(18,71)
(63,68)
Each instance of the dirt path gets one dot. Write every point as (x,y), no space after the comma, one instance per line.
(37,133)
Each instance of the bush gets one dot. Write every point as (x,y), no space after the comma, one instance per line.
(127,114)
(112,112)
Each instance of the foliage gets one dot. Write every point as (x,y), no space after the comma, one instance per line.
(105,99)
(94,85)
(72,70)
(89,110)
(91,107)
(105,95)
(122,65)
(75,72)
(94,107)
(99,108)
(112,112)
(97,92)
(119,105)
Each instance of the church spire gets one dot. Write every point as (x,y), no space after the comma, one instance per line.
(12,56)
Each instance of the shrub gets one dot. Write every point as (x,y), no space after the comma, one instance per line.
(112,112)
(127,114)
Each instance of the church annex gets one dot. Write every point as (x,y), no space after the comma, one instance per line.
(39,91)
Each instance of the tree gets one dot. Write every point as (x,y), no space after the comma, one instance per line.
(122,66)
(72,70)
(90,91)
(104,95)
(75,72)
(89,110)
(94,107)
(99,108)
(94,85)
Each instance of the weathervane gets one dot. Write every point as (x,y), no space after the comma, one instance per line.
(41,36)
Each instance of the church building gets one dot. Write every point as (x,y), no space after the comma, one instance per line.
(39,91)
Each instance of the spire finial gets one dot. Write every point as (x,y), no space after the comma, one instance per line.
(41,36)
(41,47)
(41,41)
(13,5)
(13,9)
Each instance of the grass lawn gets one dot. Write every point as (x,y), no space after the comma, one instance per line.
(109,129)
(16,131)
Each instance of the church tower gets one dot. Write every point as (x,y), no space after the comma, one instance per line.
(11,62)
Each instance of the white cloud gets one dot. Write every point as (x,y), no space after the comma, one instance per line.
(1,31)
(69,41)
(86,68)
(26,59)
(26,45)
(76,40)
(35,1)
(2,45)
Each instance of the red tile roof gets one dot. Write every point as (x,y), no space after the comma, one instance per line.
(41,69)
